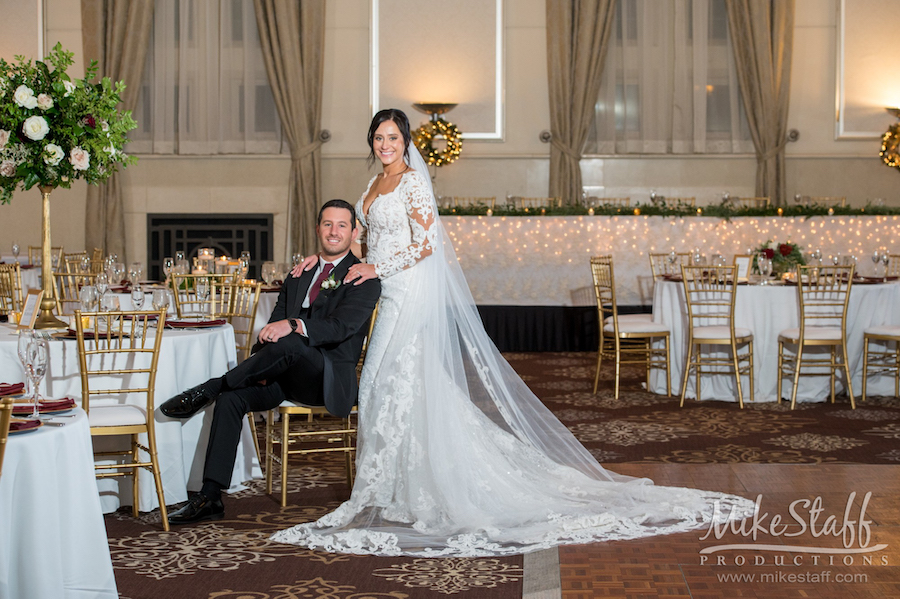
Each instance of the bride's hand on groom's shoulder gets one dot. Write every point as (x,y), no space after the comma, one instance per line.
(307,263)
(359,273)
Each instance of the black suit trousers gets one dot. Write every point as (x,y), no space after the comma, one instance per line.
(290,368)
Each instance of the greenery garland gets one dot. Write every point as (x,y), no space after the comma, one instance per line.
(890,146)
(424,136)
(682,210)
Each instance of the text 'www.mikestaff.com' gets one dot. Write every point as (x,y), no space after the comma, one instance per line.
(780,576)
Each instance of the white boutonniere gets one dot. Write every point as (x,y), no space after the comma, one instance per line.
(330,283)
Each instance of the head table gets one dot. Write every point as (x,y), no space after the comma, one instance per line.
(52,534)
(766,311)
(187,358)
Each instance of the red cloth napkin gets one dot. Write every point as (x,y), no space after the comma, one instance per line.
(187,324)
(23,425)
(47,405)
(11,388)
(26,266)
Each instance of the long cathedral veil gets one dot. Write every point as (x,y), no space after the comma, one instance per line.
(469,462)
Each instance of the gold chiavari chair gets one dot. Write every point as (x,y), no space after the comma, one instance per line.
(753,202)
(75,262)
(884,359)
(12,297)
(468,202)
(118,354)
(710,293)
(625,341)
(68,290)
(521,203)
(661,265)
(824,293)
(682,201)
(188,302)
(6,406)
(34,254)
(893,266)
(594,201)
(318,432)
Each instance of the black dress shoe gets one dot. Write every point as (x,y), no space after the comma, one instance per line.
(185,405)
(199,509)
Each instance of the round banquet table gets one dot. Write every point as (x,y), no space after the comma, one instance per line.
(187,358)
(768,310)
(52,534)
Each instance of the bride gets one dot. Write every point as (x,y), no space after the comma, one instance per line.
(456,456)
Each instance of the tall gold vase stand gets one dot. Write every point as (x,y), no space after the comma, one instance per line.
(46,318)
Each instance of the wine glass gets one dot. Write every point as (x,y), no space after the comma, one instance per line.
(26,336)
(109,303)
(85,263)
(160,299)
(102,284)
(885,259)
(118,272)
(764,264)
(202,289)
(89,296)
(836,259)
(268,272)
(38,352)
(876,258)
(15,250)
(296,258)
(816,255)
(137,296)
(168,266)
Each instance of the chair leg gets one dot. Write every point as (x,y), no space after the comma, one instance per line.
(255,437)
(668,369)
(780,371)
(834,367)
(752,372)
(737,373)
(348,443)
(796,376)
(618,368)
(897,369)
(599,363)
(269,446)
(687,370)
(157,480)
(285,446)
(865,372)
(135,477)
(846,363)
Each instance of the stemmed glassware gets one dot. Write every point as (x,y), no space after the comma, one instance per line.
(26,336)
(876,258)
(85,263)
(168,266)
(202,289)
(672,258)
(160,299)
(268,272)
(38,352)
(764,264)
(102,285)
(137,296)
(816,255)
(885,259)
(90,297)
(15,250)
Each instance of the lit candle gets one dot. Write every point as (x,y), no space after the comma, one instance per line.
(543,211)
(490,212)
(699,211)
(780,212)
(591,211)
(831,212)
(637,211)
(198,271)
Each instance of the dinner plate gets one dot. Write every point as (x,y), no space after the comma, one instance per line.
(23,425)
(57,408)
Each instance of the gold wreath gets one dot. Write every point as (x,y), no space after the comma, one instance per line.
(890,146)
(424,136)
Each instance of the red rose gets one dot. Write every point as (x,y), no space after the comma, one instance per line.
(90,122)
(769,253)
(785,249)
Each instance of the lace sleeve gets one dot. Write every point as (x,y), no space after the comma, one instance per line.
(420,209)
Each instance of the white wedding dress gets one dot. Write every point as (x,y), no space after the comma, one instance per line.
(456,456)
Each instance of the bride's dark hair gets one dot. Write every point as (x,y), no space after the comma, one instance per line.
(399,118)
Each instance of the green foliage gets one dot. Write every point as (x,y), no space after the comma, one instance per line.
(56,130)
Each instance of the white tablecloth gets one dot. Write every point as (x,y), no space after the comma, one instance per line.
(768,310)
(52,535)
(187,358)
(267,300)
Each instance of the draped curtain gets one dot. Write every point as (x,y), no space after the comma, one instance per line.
(670,84)
(292,34)
(762,32)
(577,38)
(115,34)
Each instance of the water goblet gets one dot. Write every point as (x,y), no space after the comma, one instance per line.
(168,266)
(764,264)
(244,269)
(296,258)
(89,296)
(109,303)
(268,272)
(885,259)
(102,284)
(26,336)
(118,273)
(816,255)
(836,259)
(85,263)
(160,299)
(38,352)
(137,296)
(15,250)
(202,289)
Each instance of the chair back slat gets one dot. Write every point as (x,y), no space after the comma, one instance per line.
(661,266)
(237,302)
(6,406)
(710,294)
(824,294)
(187,303)
(11,294)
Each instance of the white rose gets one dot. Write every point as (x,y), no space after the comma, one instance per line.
(104,126)
(44,101)
(80,158)
(4,137)
(111,150)
(53,154)
(7,168)
(70,88)
(24,97)
(36,128)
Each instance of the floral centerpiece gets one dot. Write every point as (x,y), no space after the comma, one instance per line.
(784,256)
(54,130)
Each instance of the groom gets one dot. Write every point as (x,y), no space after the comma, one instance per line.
(307,352)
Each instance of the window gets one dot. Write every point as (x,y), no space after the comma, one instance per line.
(670,83)
(205,88)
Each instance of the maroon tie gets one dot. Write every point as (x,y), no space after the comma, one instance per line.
(317,285)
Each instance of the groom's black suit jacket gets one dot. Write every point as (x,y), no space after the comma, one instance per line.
(336,325)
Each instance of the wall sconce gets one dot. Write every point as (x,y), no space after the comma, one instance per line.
(890,142)
(424,136)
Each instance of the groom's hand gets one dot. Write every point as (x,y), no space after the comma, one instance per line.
(274,331)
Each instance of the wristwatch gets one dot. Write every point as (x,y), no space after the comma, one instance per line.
(293,323)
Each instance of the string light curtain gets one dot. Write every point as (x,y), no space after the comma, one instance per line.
(670,84)
(116,34)
(577,38)
(763,39)
(205,89)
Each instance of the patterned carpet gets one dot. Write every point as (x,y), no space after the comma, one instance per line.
(232,558)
